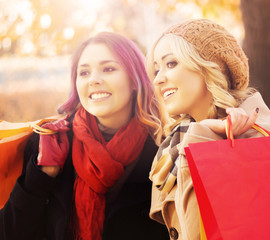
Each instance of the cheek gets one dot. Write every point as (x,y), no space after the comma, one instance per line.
(124,95)
(81,89)
(192,83)
(200,89)
(195,92)
(191,91)
(78,86)
(123,88)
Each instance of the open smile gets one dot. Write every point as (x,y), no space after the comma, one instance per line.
(167,93)
(99,96)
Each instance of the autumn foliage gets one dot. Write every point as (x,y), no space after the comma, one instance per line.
(30,106)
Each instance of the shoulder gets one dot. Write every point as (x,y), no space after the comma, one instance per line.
(150,148)
(143,164)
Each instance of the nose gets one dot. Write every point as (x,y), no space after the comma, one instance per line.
(160,78)
(95,78)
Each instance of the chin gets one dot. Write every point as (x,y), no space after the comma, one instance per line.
(100,114)
(97,112)
(172,110)
(175,112)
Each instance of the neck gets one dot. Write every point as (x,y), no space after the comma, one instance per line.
(199,116)
(201,111)
(113,123)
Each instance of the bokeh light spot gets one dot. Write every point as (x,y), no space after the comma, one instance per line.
(28,47)
(45,21)
(6,43)
(68,33)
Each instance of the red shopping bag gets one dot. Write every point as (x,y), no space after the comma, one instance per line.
(231,180)
(13,139)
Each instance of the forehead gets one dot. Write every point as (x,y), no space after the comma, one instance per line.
(162,48)
(95,53)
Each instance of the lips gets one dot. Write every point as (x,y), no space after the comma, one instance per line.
(168,92)
(99,95)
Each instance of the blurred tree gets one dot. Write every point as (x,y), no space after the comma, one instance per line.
(47,27)
(256,17)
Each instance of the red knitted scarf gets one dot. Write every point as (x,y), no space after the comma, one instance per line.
(99,164)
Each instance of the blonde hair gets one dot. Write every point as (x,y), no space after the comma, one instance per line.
(217,83)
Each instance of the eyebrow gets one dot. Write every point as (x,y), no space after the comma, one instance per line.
(101,63)
(166,55)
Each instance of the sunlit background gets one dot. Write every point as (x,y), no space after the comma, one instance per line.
(37,38)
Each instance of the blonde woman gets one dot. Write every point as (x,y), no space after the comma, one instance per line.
(201,74)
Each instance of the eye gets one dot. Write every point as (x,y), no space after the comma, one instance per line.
(109,69)
(84,73)
(171,64)
(156,72)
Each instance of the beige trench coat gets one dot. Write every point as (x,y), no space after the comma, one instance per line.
(178,209)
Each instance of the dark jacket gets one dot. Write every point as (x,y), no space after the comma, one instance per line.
(39,206)
(127,215)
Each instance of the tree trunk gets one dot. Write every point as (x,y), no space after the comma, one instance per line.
(256,17)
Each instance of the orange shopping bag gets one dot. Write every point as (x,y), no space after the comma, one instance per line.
(231,181)
(13,139)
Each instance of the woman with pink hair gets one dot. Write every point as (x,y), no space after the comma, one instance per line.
(90,180)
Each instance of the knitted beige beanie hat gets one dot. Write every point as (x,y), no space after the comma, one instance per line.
(215,44)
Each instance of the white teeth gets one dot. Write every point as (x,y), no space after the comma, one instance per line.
(99,95)
(169,92)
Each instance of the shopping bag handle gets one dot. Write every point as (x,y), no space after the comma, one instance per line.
(8,129)
(229,131)
(42,131)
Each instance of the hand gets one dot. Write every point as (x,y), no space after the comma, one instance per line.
(241,122)
(51,171)
(53,149)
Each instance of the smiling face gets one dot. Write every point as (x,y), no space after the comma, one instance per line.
(104,88)
(183,91)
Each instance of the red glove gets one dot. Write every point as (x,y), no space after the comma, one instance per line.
(53,149)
